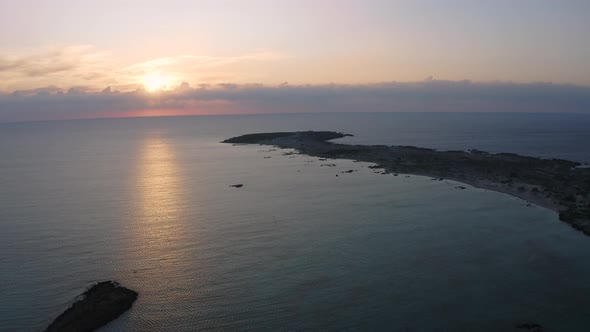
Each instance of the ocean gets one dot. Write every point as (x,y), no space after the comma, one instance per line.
(148,202)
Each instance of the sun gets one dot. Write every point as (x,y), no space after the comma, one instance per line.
(155,81)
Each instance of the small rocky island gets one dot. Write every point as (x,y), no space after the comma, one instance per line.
(100,304)
(560,185)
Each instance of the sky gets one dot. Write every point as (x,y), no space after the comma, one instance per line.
(82,59)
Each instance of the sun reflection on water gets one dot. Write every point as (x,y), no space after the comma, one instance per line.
(158,239)
(158,186)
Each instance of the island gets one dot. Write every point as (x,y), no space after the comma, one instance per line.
(560,185)
(100,304)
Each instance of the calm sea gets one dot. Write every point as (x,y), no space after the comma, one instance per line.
(147,202)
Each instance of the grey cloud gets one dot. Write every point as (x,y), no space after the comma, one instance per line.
(47,91)
(429,95)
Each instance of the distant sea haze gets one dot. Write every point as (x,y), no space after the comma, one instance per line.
(148,202)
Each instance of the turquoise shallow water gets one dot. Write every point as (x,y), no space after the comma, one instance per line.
(147,202)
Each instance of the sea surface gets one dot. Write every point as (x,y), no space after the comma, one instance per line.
(147,202)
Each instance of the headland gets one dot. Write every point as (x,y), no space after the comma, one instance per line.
(560,185)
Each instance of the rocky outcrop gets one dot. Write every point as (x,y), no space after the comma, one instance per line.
(100,304)
(318,136)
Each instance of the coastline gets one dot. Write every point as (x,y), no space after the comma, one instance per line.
(555,184)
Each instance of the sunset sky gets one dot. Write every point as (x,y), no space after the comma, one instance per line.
(78,59)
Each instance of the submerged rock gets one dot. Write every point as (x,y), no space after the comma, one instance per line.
(531,327)
(100,304)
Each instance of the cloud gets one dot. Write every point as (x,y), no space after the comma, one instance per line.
(85,65)
(204,61)
(69,66)
(429,95)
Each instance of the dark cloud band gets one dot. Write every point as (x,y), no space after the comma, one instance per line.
(432,95)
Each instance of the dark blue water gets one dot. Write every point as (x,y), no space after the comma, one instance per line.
(147,202)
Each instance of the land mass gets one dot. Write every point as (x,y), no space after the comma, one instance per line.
(100,304)
(560,185)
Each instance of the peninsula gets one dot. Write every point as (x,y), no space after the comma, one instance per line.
(560,185)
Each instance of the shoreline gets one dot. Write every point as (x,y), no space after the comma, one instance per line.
(555,184)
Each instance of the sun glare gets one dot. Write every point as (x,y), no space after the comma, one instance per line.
(155,82)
